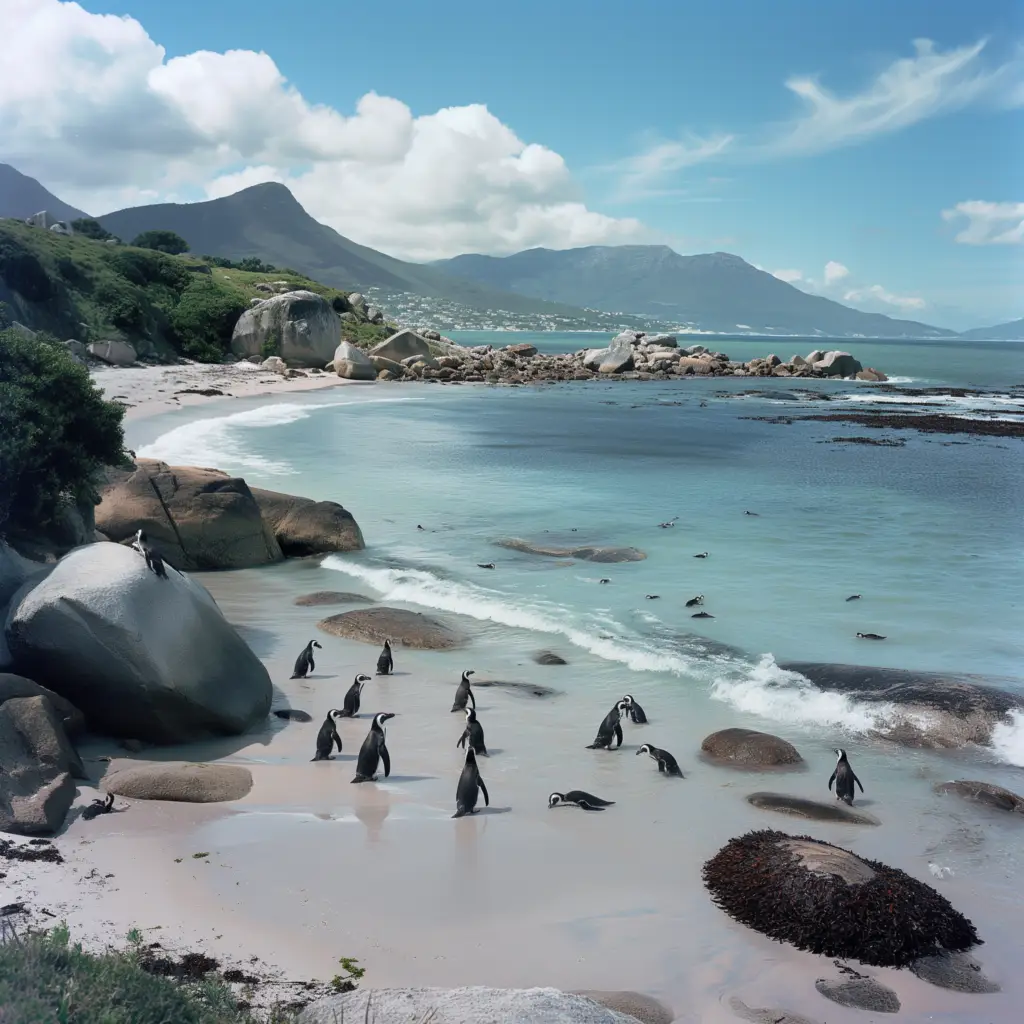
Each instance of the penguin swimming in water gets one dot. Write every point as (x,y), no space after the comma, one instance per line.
(702,615)
(351,708)
(666,762)
(635,712)
(385,663)
(844,778)
(485,565)
(374,750)
(304,662)
(653,597)
(703,554)
(669,523)
(751,513)
(869,636)
(98,807)
(474,733)
(470,786)
(604,581)
(327,737)
(153,560)
(853,597)
(464,695)
(694,601)
(610,729)
(577,798)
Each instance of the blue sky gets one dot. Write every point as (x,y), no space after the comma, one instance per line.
(675,122)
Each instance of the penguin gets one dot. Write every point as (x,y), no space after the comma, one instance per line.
(635,712)
(844,778)
(374,750)
(470,786)
(604,581)
(703,554)
(464,695)
(418,527)
(351,708)
(474,732)
(653,597)
(702,615)
(694,601)
(485,565)
(327,737)
(610,729)
(98,807)
(853,597)
(869,636)
(751,513)
(385,663)
(153,560)
(304,662)
(669,523)
(666,762)
(577,798)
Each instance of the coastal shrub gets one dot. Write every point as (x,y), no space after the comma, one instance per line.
(121,306)
(147,266)
(162,241)
(90,228)
(204,318)
(55,430)
(22,272)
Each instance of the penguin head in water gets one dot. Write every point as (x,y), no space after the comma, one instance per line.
(555,799)
(645,749)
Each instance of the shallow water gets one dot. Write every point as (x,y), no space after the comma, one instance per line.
(928,534)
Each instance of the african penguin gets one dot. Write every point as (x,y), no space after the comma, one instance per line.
(304,662)
(702,615)
(577,798)
(610,729)
(633,710)
(327,737)
(869,636)
(703,554)
(666,762)
(153,560)
(98,807)
(351,708)
(694,601)
(464,695)
(374,750)
(385,663)
(469,788)
(844,778)
(474,732)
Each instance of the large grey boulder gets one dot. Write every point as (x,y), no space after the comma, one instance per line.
(352,363)
(616,358)
(661,340)
(15,571)
(401,345)
(12,687)
(36,765)
(837,364)
(301,327)
(117,353)
(747,748)
(148,658)
(303,526)
(476,1005)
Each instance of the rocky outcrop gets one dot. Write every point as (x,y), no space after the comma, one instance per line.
(746,748)
(401,345)
(37,763)
(860,993)
(584,552)
(147,658)
(117,353)
(302,526)
(301,327)
(196,518)
(985,793)
(814,810)
(323,597)
(71,719)
(402,628)
(15,572)
(837,364)
(475,1005)
(178,781)
(352,363)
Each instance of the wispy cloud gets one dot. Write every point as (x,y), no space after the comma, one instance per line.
(641,174)
(835,272)
(877,294)
(988,223)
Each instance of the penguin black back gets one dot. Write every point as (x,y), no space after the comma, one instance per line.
(578,798)
(374,750)
(98,807)
(464,694)
(473,733)
(327,737)
(610,729)
(469,788)
(844,778)
(304,662)
(635,712)
(354,697)
(665,761)
(154,561)
(385,663)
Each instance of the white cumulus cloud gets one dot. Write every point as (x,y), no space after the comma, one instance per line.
(875,294)
(835,272)
(988,223)
(91,105)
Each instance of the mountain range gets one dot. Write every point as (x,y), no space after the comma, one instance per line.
(1013,331)
(717,292)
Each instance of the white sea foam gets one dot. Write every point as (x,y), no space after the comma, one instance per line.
(965,402)
(1008,739)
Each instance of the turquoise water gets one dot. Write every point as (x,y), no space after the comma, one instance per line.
(929,533)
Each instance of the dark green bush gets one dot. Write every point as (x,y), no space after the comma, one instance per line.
(90,228)
(55,431)
(23,273)
(143,267)
(162,241)
(205,317)
(122,306)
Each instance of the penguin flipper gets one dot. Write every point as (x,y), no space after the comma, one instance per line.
(462,739)
(386,758)
(337,739)
(586,805)
(472,698)
(855,779)
(831,779)
(483,789)
(618,734)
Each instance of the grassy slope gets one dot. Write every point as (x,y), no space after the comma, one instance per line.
(159,303)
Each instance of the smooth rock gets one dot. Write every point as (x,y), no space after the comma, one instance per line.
(815,810)
(300,327)
(401,345)
(816,356)
(302,526)
(402,628)
(523,350)
(860,993)
(617,358)
(955,971)
(72,720)
(767,1014)
(746,748)
(275,364)
(352,363)
(383,363)
(662,340)
(871,374)
(984,793)
(477,1005)
(837,364)
(322,597)
(15,572)
(77,349)
(694,350)
(549,658)
(117,353)
(696,365)
(178,781)
(356,301)
(195,518)
(42,729)
(633,1004)
(142,657)
(585,553)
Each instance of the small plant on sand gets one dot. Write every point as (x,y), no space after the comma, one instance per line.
(199,856)
(353,973)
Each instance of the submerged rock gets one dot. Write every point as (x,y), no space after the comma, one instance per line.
(516,687)
(585,553)
(829,901)
(402,628)
(955,971)
(860,993)
(322,597)
(766,1014)
(549,658)
(746,748)
(815,810)
(178,781)
(984,793)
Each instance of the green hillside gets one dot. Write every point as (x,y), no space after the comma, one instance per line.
(74,287)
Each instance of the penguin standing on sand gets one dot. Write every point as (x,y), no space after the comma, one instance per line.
(474,733)
(844,778)
(374,750)
(304,662)
(666,762)
(464,694)
(327,737)
(633,710)
(610,729)
(153,560)
(385,663)
(577,798)
(470,786)
(351,708)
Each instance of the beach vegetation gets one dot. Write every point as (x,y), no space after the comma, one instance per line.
(56,431)
(163,241)
(91,228)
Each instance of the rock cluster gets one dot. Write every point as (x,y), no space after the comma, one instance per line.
(299,326)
